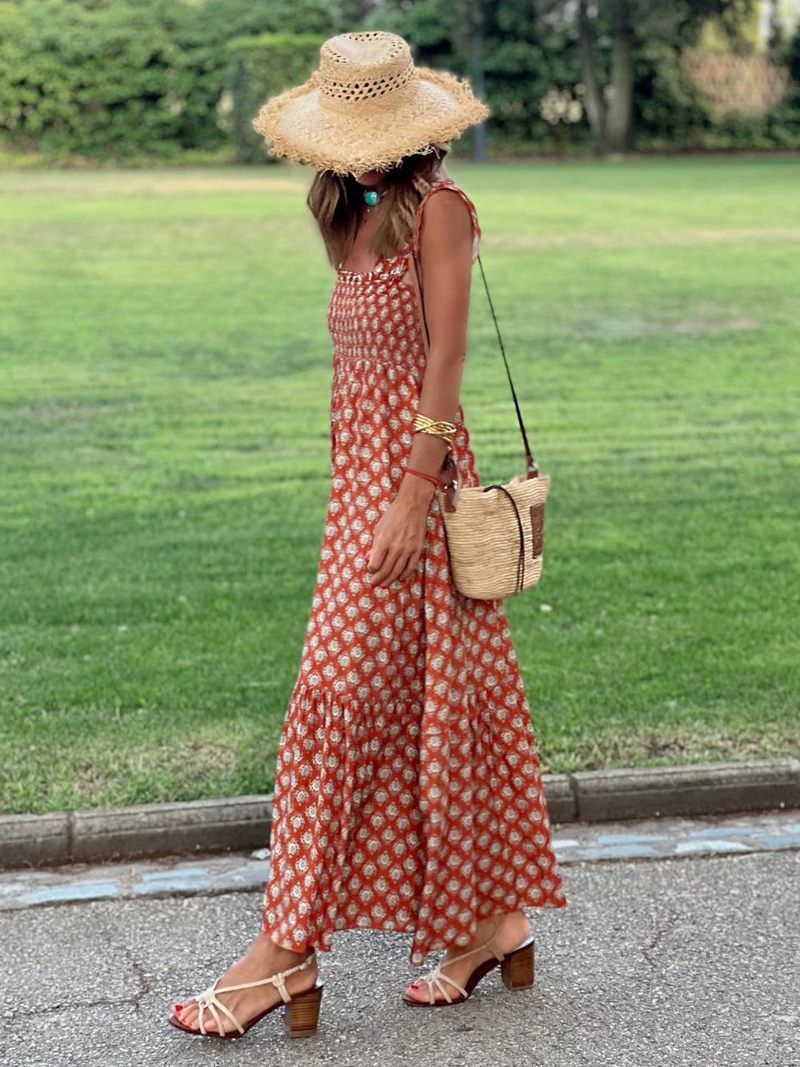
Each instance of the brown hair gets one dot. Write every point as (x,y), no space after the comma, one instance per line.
(337,203)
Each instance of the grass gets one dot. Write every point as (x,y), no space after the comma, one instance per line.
(165,463)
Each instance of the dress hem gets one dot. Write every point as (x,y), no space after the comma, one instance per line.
(416,957)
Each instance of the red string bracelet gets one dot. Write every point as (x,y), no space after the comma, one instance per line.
(428,477)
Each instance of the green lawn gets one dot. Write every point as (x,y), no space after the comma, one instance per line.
(165,463)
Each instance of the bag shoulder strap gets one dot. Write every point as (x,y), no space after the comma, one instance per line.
(532,466)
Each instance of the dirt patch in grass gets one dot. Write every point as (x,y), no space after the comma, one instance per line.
(73,412)
(633,326)
(179,763)
(700,325)
(149,184)
(693,235)
(651,747)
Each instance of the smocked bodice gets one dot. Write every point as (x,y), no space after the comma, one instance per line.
(374,320)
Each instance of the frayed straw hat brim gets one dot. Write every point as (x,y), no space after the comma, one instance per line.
(298,125)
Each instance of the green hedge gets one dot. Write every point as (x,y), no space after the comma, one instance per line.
(263,66)
(77,79)
(123,78)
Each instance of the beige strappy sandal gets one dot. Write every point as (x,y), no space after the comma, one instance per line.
(301,1015)
(516,970)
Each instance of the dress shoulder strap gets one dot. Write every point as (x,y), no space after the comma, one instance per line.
(448,183)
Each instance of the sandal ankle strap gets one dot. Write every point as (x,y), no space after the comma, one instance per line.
(276,979)
(490,943)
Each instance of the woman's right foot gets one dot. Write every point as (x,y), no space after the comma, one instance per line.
(509,930)
(263,959)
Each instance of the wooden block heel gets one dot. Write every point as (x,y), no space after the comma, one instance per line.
(301,1015)
(516,969)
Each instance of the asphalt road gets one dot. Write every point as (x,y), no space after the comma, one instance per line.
(685,961)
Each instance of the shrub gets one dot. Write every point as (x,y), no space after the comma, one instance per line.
(262,66)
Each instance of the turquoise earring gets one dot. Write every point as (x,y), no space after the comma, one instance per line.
(371,197)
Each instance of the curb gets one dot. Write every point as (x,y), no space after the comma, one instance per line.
(95,834)
(241,823)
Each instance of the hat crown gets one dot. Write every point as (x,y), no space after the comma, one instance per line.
(364,65)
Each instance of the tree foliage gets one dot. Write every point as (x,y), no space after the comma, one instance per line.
(121,77)
(129,77)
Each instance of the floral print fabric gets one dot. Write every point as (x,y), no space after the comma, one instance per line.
(408,792)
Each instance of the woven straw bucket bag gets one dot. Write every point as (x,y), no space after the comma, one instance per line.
(495,533)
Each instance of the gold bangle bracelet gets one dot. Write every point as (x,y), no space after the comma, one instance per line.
(428,425)
(438,433)
(438,427)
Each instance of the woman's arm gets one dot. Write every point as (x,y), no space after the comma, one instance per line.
(446,262)
(445,255)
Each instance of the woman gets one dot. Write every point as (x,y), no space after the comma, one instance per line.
(408,793)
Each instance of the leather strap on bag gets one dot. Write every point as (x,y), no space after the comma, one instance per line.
(532,466)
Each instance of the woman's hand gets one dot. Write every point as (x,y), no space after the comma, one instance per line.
(400,533)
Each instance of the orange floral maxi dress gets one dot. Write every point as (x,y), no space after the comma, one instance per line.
(408,792)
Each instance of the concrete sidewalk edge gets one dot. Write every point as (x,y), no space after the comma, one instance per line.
(241,823)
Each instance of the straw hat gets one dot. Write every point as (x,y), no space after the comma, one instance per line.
(367,106)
